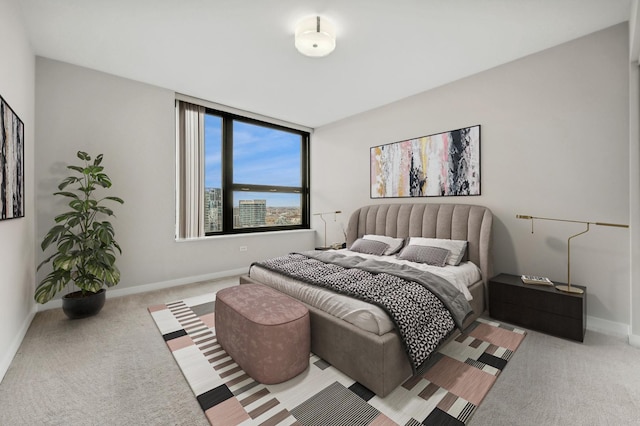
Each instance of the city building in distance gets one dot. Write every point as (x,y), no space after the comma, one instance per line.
(248,213)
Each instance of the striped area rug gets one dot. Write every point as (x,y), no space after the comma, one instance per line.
(448,389)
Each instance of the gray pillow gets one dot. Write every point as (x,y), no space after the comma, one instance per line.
(458,248)
(395,244)
(369,246)
(435,256)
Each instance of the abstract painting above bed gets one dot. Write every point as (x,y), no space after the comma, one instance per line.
(437,165)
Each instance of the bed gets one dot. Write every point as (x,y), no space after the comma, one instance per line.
(379,360)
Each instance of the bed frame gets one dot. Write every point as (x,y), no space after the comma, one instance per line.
(380,362)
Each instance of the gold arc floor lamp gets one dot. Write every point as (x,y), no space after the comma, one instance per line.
(335,217)
(567,288)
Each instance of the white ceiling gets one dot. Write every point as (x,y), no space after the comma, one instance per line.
(240,52)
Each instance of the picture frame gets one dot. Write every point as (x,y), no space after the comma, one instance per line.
(11,163)
(438,165)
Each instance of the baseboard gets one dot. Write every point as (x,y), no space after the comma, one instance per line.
(126,291)
(634,340)
(611,328)
(12,350)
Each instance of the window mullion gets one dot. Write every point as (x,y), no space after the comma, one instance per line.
(306,180)
(227,176)
(266,188)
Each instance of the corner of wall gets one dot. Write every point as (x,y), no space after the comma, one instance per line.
(12,350)
(611,328)
(17,249)
(634,34)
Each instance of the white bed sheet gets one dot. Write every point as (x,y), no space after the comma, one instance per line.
(461,276)
(361,314)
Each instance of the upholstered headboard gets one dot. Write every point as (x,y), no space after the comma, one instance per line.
(452,221)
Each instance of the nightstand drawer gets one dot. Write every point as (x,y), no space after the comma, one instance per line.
(539,308)
(546,299)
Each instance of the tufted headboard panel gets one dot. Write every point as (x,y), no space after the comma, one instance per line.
(451,221)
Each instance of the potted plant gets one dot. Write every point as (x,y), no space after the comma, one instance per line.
(85,245)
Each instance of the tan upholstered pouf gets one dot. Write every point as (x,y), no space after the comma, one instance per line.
(265,332)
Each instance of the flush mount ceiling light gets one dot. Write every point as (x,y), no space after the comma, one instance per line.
(315,38)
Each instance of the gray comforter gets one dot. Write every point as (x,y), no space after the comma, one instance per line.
(424,307)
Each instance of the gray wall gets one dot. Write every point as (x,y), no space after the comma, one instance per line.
(17,70)
(634,164)
(554,143)
(132,124)
(634,198)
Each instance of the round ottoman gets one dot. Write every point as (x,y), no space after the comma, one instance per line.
(267,333)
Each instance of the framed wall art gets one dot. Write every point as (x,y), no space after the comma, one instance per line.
(444,164)
(11,163)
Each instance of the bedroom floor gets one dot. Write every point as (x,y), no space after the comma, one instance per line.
(552,381)
(115,369)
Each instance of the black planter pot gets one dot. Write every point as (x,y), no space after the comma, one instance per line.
(76,306)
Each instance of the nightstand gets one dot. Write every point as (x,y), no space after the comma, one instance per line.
(538,307)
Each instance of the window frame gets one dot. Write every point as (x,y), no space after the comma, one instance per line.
(229,187)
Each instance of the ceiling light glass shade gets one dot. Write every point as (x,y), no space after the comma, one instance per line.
(314,37)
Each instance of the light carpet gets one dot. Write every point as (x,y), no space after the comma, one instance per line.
(447,391)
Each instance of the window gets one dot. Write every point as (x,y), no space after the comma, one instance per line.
(254,175)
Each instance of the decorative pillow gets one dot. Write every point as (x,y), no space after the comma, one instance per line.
(435,256)
(369,246)
(395,244)
(458,248)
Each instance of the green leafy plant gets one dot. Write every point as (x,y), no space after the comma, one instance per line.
(86,248)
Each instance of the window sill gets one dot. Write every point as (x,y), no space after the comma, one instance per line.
(243,235)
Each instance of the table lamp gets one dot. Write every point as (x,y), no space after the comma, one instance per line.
(567,288)
(335,217)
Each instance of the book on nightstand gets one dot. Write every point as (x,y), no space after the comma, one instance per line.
(532,279)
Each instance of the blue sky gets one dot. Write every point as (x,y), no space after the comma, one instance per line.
(262,156)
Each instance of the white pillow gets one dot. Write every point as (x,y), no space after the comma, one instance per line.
(395,244)
(458,248)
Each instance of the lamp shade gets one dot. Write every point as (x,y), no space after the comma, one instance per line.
(314,37)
